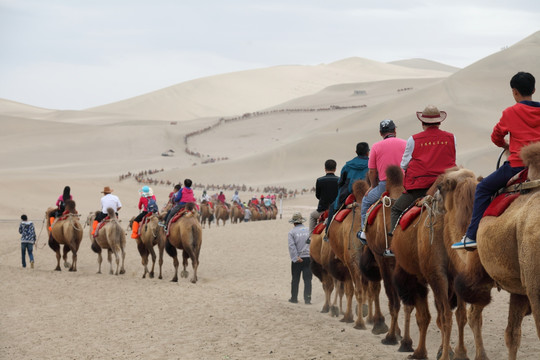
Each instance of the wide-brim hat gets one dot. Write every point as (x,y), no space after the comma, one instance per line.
(431,115)
(107,190)
(297,218)
(146,191)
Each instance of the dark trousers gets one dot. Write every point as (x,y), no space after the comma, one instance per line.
(485,190)
(402,203)
(140,216)
(303,268)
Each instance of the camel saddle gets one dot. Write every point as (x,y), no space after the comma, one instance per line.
(374,209)
(144,221)
(342,214)
(409,215)
(101,224)
(319,228)
(64,215)
(321,223)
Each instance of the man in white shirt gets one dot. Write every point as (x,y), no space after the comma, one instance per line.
(107,201)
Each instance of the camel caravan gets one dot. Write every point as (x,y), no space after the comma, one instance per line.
(461,281)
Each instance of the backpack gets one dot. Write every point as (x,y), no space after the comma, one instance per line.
(152,205)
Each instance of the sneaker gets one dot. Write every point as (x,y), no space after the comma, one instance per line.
(465,243)
(325,238)
(388,253)
(32,264)
(293,301)
(362,237)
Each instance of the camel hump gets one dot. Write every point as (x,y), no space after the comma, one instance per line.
(394,175)
(531,155)
(110,212)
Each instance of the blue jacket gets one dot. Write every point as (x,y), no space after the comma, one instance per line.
(26,229)
(355,169)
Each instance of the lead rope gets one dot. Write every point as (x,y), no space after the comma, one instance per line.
(387,202)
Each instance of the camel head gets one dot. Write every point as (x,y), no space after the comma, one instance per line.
(457,188)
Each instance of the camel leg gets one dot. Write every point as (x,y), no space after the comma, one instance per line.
(185,257)
(328,287)
(439,285)
(460,352)
(109,258)
(422,320)
(406,342)
(123,254)
(161,248)
(153,254)
(58,257)
(379,326)
(519,307)
(349,292)
(360,296)
(65,255)
(394,304)
(474,318)
(338,287)
(100,260)
(176,264)
(73,259)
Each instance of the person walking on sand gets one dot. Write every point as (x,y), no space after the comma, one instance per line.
(28,239)
(300,260)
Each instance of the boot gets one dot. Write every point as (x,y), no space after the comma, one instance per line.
(94,226)
(135,230)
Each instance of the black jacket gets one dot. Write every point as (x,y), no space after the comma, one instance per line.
(326,189)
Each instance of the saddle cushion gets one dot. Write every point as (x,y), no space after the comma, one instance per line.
(499,204)
(342,214)
(350,199)
(101,224)
(408,217)
(323,216)
(177,216)
(372,213)
(319,228)
(519,177)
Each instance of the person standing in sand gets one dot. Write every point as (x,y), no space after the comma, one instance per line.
(326,189)
(300,260)
(28,239)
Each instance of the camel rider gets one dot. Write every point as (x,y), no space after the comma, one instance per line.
(182,198)
(147,203)
(60,205)
(177,188)
(205,197)
(107,201)
(236,199)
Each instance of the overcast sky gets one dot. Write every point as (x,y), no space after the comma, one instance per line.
(75,54)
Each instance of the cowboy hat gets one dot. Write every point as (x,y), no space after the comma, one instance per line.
(107,190)
(431,115)
(297,218)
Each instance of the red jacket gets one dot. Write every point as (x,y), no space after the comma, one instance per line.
(143,202)
(522,122)
(434,152)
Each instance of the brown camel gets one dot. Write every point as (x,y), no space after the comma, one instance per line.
(346,246)
(112,238)
(378,242)
(221,213)
(67,231)
(151,234)
(207,213)
(507,255)
(185,234)
(423,257)
(237,213)
(255,214)
(322,258)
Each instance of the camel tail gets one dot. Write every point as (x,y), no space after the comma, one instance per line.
(316,269)
(53,244)
(171,250)
(394,176)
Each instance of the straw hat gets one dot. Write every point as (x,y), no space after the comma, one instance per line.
(431,115)
(107,190)
(297,218)
(146,191)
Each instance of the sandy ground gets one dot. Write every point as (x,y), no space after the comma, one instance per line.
(237,310)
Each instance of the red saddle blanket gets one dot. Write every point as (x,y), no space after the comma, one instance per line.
(341,215)
(101,224)
(319,228)
(350,199)
(408,217)
(500,203)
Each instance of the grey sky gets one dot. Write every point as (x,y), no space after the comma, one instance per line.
(74,54)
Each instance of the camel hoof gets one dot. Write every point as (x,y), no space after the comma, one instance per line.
(144,276)
(347,320)
(379,328)
(184,274)
(160,277)
(122,272)
(58,269)
(193,281)
(73,270)
(174,279)
(450,354)
(389,340)
(325,309)
(151,275)
(334,311)
(406,346)
(360,327)
(66,265)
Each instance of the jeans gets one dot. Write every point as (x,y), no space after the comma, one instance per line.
(370,198)
(303,268)
(27,247)
(485,190)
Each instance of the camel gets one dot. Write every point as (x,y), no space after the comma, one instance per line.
(378,241)
(507,255)
(185,234)
(424,257)
(67,231)
(151,234)
(346,246)
(237,213)
(111,237)
(321,258)
(221,213)
(207,214)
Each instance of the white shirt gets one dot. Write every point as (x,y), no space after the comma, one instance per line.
(110,201)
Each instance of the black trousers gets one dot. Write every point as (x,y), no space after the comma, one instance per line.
(301,268)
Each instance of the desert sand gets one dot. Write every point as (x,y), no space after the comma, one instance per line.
(238,309)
